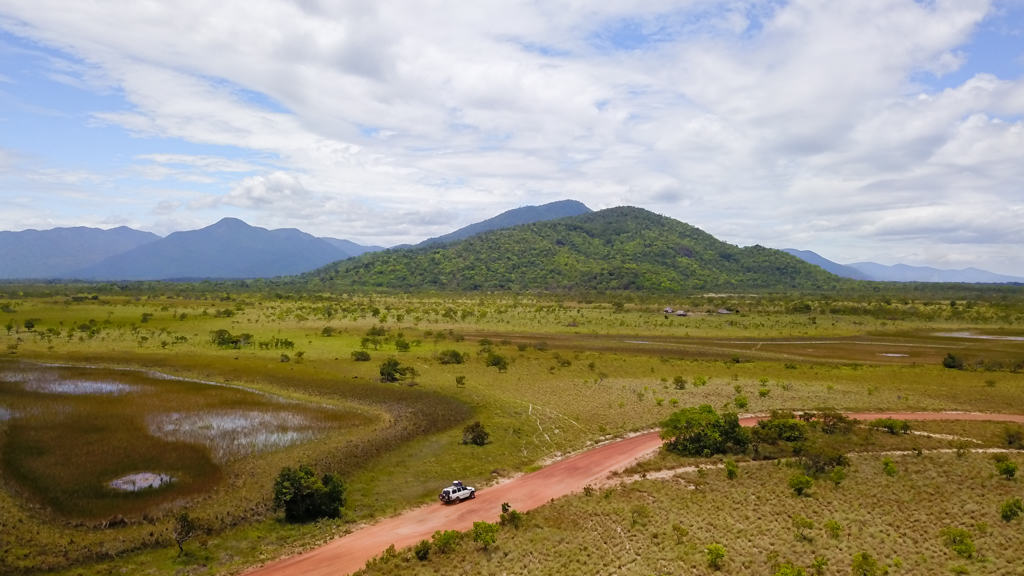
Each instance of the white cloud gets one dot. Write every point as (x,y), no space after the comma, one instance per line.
(759,121)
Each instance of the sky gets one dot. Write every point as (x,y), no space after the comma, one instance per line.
(881,130)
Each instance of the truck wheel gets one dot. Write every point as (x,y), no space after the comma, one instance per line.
(472,495)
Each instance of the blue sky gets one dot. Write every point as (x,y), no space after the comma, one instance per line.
(884,130)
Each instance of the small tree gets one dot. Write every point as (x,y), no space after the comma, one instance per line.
(959,540)
(450,357)
(498,361)
(447,541)
(510,516)
(360,355)
(475,433)
(889,467)
(802,524)
(1006,468)
(422,550)
(391,370)
(731,469)
(1011,509)
(716,555)
(184,530)
(864,565)
(801,484)
(304,497)
(485,534)
(952,361)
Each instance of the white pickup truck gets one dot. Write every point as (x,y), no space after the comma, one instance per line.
(457,492)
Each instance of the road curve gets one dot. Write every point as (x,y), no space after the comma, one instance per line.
(350,552)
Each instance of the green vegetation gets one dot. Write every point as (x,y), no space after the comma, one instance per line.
(616,249)
(475,433)
(304,497)
(579,368)
(701,431)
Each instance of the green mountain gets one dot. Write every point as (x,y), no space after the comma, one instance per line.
(617,249)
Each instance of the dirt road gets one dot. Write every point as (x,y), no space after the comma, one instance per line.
(350,553)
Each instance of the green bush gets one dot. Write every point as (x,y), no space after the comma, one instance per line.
(864,565)
(475,433)
(1011,509)
(731,469)
(701,431)
(892,426)
(801,484)
(497,361)
(952,361)
(959,540)
(421,550)
(485,534)
(715,555)
(360,355)
(450,357)
(391,370)
(447,541)
(304,497)
(1007,468)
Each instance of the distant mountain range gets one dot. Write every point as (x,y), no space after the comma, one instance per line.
(228,249)
(60,252)
(557,246)
(902,272)
(617,249)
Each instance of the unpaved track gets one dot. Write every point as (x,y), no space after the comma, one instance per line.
(350,553)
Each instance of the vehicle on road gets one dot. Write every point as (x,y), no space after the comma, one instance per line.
(457,492)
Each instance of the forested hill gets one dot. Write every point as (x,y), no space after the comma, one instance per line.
(617,249)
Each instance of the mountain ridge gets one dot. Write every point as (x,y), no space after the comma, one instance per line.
(514,217)
(617,249)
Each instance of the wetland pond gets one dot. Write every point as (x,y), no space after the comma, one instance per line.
(91,442)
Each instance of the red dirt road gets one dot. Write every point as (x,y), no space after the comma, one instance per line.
(350,553)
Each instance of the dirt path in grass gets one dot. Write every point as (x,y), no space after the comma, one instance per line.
(350,553)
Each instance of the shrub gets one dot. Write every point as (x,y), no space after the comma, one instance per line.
(422,550)
(510,516)
(391,370)
(958,540)
(679,383)
(305,497)
(497,361)
(802,524)
(864,565)
(701,431)
(820,457)
(801,484)
(731,469)
(832,421)
(790,569)
(889,467)
(450,357)
(952,361)
(485,533)
(1014,436)
(837,475)
(475,433)
(834,528)
(1007,468)
(741,402)
(892,426)
(781,427)
(184,530)
(1011,509)
(715,555)
(447,541)
(360,355)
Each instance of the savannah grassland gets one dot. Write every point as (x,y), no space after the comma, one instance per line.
(580,370)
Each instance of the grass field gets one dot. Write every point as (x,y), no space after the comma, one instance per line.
(578,370)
